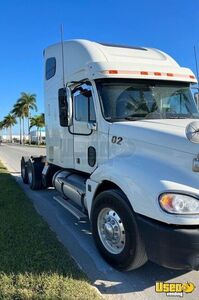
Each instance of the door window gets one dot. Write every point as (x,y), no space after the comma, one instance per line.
(83,104)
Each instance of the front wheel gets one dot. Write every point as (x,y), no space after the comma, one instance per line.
(115,231)
(34,171)
(24,172)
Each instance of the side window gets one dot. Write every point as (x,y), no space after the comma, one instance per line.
(81,108)
(50,69)
(92,116)
(84,106)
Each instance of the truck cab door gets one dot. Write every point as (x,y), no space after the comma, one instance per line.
(84,129)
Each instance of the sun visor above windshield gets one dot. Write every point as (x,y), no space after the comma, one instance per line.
(107,70)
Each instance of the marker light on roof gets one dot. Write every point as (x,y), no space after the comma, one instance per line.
(155,73)
(113,72)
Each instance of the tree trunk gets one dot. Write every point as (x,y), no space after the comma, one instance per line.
(20,130)
(38,136)
(28,126)
(6,134)
(10,129)
(23,139)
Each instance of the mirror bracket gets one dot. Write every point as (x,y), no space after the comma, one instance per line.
(92,126)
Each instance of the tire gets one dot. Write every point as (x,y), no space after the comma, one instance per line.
(24,172)
(34,170)
(120,245)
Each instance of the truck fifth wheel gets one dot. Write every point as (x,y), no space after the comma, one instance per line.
(122,149)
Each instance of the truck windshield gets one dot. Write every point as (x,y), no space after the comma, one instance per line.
(145,99)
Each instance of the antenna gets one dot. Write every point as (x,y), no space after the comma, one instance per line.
(196,62)
(62,48)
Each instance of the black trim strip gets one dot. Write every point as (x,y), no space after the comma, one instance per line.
(85,134)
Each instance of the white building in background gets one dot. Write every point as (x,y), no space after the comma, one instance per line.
(15,138)
(34,136)
(40,134)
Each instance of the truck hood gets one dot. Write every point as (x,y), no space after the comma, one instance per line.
(169,133)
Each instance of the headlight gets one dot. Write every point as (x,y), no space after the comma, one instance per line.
(179,204)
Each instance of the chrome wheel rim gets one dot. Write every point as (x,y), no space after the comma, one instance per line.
(29,175)
(23,171)
(111,230)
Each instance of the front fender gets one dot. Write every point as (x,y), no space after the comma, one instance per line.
(143,179)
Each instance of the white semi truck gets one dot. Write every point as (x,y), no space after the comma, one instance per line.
(121,142)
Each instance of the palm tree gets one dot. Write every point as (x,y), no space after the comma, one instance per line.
(39,122)
(1,128)
(5,126)
(1,125)
(28,103)
(18,113)
(9,121)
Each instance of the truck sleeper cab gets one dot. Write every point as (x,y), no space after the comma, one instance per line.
(121,143)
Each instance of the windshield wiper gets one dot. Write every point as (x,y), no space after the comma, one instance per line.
(135,117)
(179,116)
(129,118)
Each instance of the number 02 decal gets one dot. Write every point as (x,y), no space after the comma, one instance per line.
(117,140)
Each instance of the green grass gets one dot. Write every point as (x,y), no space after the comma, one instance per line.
(33,264)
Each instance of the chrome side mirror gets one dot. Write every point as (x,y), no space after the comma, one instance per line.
(63,110)
(196,97)
(70,106)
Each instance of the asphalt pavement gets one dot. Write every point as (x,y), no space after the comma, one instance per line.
(77,238)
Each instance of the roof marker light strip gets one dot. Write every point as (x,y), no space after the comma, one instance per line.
(128,72)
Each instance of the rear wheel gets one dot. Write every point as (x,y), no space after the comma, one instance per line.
(115,231)
(34,171)
(24,172)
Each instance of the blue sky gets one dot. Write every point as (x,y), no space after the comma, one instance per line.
(27,27)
